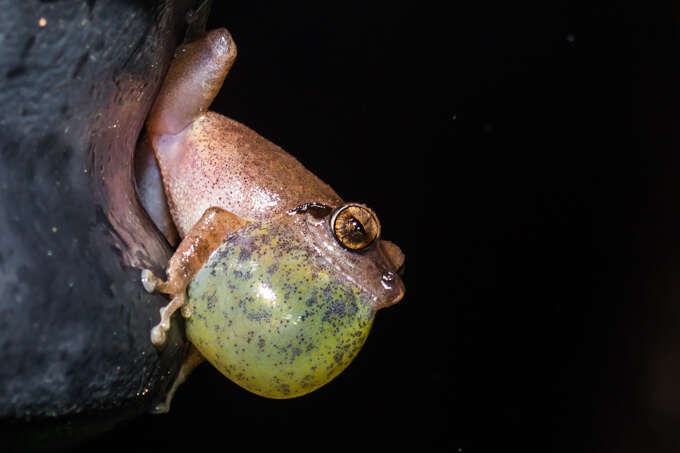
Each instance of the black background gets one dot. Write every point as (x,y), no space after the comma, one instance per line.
(523,155)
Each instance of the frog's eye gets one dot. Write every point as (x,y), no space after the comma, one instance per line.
(355,226)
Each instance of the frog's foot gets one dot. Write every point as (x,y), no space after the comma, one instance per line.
(192,360)
(150,281)
(158,333)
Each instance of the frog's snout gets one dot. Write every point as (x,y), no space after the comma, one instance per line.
(394,255)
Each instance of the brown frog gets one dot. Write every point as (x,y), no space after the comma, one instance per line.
(277,277)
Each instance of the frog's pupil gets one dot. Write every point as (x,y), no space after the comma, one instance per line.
(357,225)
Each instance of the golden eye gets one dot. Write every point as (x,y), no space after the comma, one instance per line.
(355,226)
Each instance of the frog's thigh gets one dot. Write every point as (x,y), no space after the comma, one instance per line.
(193,80)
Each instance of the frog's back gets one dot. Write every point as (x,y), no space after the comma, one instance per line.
(218,162)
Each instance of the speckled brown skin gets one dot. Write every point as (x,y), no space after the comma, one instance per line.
(208,160)
(232,167)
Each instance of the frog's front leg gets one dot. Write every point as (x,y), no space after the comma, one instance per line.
(199,243)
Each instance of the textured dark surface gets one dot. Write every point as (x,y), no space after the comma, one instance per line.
(78,78)
(543,315)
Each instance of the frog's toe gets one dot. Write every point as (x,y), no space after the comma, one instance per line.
(161,408)
(160,329)
(158,335)
(149,281)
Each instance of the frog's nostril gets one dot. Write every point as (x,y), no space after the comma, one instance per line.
(388,277)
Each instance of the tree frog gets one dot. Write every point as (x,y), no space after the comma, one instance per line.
(277,277)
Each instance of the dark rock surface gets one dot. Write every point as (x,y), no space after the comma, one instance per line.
(77,81)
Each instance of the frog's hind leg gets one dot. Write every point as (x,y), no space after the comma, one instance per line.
(192,360)
(192,82)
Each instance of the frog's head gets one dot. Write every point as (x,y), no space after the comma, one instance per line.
(348,240)
(285,304)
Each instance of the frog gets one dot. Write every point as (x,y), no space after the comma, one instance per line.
(278,279)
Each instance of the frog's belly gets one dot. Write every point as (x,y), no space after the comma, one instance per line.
(278,324)
(220,162)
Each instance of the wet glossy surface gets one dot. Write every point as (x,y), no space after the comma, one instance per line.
(282,307)
(274,315)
